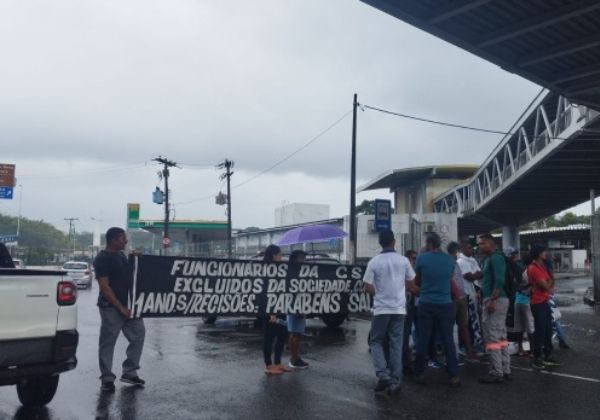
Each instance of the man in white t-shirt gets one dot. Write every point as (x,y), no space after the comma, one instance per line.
(471,273)
(386,276)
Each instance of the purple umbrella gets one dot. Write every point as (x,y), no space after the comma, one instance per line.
(311,233)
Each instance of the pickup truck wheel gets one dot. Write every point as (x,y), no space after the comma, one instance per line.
(37,390)
(333,320)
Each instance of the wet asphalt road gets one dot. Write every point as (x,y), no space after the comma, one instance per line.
(195,371)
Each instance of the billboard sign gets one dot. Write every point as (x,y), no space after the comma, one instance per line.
(7,175)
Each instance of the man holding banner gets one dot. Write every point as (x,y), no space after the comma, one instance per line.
(385,279)
(113,275)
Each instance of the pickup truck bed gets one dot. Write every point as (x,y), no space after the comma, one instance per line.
(38,331)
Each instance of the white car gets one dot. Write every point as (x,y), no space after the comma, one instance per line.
(79,272)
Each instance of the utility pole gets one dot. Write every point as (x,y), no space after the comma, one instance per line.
(20,208)
(352,238)
(72,221)
(165,175)
(228,165)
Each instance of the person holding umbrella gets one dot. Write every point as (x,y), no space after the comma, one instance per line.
(296,322)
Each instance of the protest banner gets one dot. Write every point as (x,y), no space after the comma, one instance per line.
(192,287)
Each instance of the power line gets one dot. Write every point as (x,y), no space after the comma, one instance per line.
(276,164)
(442,123)
(295,152)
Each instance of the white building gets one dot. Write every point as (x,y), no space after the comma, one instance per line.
(299,213)
(414,190)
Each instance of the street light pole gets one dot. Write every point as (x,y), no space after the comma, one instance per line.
(352,238)
(20,208)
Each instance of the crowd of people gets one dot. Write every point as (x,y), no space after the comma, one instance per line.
(433,292)
(418,297)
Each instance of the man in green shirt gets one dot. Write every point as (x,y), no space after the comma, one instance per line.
(495,308)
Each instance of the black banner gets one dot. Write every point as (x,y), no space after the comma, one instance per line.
(182,287)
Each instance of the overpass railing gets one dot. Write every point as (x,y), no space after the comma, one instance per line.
(551,121)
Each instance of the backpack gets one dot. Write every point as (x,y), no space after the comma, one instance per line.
(511,282)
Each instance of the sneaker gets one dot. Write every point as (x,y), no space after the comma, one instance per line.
(434,364)
(272,370)
(133,380)
(382,385)
(107,387)
(538,364)
(284,368)
(548,361)
(298,364)
(491,379)
(460,362)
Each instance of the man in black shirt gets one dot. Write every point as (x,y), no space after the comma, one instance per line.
(114,278)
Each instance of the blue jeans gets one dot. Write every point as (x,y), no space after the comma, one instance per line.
(542,336)
(392,327)
(560,334)
(441,318)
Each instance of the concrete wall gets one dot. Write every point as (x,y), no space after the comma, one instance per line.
(418,197)
(446,225)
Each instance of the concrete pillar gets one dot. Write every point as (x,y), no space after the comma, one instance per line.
(595,260)
(510,237)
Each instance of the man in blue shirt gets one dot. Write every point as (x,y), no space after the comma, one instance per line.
(434,270)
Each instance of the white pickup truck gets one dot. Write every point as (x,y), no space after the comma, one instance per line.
(38,331)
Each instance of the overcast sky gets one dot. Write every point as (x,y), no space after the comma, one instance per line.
(92,90)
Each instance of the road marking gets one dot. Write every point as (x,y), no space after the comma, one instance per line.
(547,372)
(564,375)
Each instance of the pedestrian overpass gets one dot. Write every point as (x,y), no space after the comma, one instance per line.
(548,163)
(551,158)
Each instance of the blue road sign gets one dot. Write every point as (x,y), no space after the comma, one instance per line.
(383,215)
(6,193)
(8,238)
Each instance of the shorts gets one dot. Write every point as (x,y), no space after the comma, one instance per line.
(296,324)
(461,312)
(523,319)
